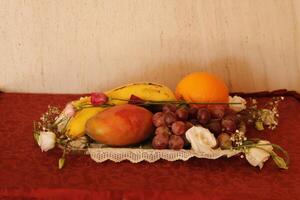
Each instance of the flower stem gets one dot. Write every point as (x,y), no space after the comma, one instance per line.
(174,102)
(91,106)
(150,102)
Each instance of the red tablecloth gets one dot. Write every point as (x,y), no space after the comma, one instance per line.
(26,172)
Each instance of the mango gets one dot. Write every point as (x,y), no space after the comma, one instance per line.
(121,125)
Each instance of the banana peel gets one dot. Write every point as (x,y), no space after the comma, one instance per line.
(76,125)
(146,91)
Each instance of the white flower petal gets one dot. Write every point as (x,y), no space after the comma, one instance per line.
(257,156)
(237,107)
(201,139)
(46,140)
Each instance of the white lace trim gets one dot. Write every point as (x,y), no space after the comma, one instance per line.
(151,155)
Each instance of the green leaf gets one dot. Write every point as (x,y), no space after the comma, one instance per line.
(280,162)
(61,163)
(285,153)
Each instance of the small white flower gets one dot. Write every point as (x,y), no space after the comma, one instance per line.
(237,107)
(257,156)
(201,139)
(46,140)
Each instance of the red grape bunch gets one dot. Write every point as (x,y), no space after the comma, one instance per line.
(171,125)
(173,121)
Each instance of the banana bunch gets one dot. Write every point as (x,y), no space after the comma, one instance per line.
(146,91)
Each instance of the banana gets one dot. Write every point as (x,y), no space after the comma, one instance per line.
(76,126)
(146,91)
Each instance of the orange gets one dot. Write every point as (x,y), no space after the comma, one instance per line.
(202,87)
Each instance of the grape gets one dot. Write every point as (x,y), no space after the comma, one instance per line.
(158,119)
(176,142)
(162,130)
(232,117)
(217,113)
(194,121)
(229,112)
(215,127)
(228,125)
(160,141)
(169,108)
(188,125)
(224,141)
(203,116)
(178,128)
(170,118)
(193,112)
(182,113)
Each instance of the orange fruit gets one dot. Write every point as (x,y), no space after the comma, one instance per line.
(202,87)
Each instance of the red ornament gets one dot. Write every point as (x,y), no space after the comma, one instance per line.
(98,98)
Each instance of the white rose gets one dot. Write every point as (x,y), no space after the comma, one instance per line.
(257,156)
(201,139)
(237,107)
(46,140)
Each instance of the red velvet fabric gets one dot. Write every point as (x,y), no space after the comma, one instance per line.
(28,173)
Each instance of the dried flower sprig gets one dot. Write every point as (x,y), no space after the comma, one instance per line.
(49,130)
(47,119)
(263,116)
(45,124)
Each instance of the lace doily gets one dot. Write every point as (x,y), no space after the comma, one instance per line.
(151,155)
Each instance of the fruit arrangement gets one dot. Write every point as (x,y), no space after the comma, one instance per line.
(200,118)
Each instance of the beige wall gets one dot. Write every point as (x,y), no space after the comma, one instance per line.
(74,46)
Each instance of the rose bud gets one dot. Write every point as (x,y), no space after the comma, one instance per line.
(98,98)
(69,110)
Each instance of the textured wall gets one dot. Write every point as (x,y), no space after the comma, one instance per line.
(74,46)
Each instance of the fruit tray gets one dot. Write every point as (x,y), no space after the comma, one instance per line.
(148,122)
